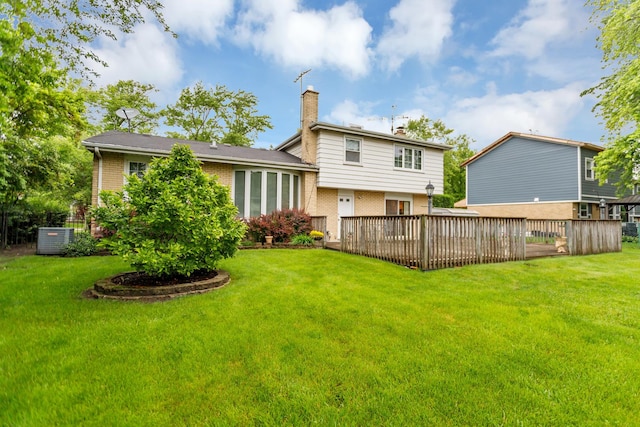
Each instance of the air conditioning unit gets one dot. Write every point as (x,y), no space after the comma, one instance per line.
(51,240)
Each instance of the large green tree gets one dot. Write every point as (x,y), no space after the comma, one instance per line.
(455,176)
(618,93)
(216,115)
(66,29)
(37,101)
(108,100)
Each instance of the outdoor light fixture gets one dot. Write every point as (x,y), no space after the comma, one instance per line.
(603,209)
(429,188)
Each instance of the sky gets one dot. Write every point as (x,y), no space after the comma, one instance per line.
(484,68)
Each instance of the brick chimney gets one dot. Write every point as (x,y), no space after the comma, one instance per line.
(309,139)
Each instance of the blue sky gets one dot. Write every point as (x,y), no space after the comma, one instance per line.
(483,67)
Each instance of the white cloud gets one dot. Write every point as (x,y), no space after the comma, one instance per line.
(488,117)
(202,20)
(418,29)
(148,55)
(540,24)
(295,37)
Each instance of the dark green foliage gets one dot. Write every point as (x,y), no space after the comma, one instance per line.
(83,245)
(282,225)
(302,239)
(444,200)
(175,220)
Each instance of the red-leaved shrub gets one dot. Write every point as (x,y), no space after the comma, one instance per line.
(282,225)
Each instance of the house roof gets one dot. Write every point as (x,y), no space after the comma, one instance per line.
(151,145)
(629,201)
(357,131)
(549,139)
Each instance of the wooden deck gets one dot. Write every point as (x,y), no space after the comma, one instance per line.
(534,250)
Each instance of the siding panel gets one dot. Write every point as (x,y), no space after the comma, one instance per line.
(376,171)
(519,171)
(592,190)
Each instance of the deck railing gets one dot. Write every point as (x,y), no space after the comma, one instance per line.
(434,242)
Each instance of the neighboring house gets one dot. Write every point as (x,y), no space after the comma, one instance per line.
(537,177)
(325,169)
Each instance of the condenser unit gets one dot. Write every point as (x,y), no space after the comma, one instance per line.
(51,240)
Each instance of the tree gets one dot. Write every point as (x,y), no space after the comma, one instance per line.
(618,93)
(37,101)
(66,29)
(455,176)
(216,115)
(175,220)
(125,94)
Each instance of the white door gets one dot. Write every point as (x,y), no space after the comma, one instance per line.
(345,207)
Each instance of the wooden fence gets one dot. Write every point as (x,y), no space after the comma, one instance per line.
(433,242)
(545,230)
(586,237)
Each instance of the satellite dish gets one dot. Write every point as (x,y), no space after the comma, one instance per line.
(127,114)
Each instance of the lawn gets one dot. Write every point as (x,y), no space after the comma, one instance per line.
(320,337)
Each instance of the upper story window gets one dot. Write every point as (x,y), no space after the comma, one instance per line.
(589,173)
(352,149)
(137,168)
(408,158)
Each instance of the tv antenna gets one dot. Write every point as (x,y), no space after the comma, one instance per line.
(394,117)
(127,114)
(299,78)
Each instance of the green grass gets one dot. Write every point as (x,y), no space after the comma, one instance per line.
(319,337)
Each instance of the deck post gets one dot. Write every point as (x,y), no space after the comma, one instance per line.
(424,240)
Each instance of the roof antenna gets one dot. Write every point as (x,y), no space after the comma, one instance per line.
(393,117)
(296,81)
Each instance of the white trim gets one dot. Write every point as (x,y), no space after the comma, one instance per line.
(400,197)
(414,150)
(593,172)
(524,203)
(360,144)
(580,174)
(263,189)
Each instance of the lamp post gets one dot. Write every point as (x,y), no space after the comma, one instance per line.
(603,209)
(429,188)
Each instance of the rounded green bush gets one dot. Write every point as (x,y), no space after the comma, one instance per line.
(175,220)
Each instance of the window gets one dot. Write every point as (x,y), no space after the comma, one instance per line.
(259,192)
(352,150)
(589,174)
(584,210)
(397,207)
(408,158)
(137,168)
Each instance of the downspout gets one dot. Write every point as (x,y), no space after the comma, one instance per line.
(96,150)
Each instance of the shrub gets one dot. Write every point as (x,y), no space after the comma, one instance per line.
(83,245)
(282,225)
(302,239)
(317,235)
(174,220)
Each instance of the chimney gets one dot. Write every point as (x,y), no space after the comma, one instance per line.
(309,116)
(400,131)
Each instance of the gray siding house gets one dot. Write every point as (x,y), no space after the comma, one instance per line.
(537,177)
